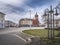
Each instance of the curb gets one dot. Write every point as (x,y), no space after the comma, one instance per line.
(28,34)
(28,40)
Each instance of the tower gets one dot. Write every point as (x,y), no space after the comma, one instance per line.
(36,16)
(36,21)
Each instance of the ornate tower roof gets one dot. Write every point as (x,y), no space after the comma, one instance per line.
(36,15)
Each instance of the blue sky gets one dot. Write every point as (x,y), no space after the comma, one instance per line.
(17,9)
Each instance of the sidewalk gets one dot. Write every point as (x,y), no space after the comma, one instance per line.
(14,29)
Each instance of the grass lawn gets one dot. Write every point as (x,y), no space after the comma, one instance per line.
(40,32)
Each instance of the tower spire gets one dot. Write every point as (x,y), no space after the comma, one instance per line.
(36,13)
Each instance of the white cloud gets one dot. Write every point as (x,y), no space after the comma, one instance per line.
(4,8)
(13,2)
(18,3)
(13,17)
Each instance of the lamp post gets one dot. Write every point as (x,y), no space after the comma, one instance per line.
(51,32)
(46,15)
(30,18)
(56,15)
(51,19)
(57,7)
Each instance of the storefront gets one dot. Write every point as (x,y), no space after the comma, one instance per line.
(1,25)
(2,20)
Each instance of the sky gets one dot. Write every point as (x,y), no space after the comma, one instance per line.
(18,9)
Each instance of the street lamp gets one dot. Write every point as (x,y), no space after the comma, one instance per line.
(51,32)
(46,15)
(49,17)
(51,14)
(56,14)
(48,20)
(30,18)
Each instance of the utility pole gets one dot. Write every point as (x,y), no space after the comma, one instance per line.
(30,19)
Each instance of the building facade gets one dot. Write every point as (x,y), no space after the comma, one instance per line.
(10,24)
(25,22)
(2,20)
(58,23)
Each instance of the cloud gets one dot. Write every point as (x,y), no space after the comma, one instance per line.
(13,17)
(37,3)
(12,9)
(5,6)
(17,9)
(13,2)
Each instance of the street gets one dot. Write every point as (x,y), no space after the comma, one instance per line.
(9,36)
(14,29)
(13,36)
(8,39)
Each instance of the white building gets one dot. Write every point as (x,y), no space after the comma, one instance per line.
(58,23)
(25,22)
(10,24)
(2,20)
